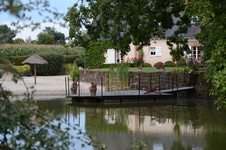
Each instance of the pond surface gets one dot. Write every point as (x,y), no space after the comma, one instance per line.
(162,127)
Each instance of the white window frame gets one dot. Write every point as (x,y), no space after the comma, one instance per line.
(196,54)
(152,51)
(155,51)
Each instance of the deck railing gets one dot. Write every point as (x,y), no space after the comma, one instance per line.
(138,83)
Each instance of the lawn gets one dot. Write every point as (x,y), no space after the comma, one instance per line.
(150,69)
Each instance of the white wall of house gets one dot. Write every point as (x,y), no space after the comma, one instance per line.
(157,51)
(133,53)
(112,56)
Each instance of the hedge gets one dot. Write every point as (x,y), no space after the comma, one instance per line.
(54,66)
(30,49)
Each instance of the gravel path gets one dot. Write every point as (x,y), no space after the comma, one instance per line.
(47,87)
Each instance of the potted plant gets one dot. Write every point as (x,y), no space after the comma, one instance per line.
(74,73)
(93,89)
(74,87)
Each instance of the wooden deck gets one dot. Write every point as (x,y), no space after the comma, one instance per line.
(136,95)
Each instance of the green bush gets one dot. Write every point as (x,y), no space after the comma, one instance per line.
(17,60)
(169,64)
(147,65)
(69,59)
(54,66)
(94,55)
(23,70)
(30,49)
(80,62)
(181,63)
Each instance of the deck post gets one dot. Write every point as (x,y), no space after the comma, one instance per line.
(101,80)
(65,83)
(177,81)
(139,82)
(159,83)
(79,85)
(68,86)
(172,83)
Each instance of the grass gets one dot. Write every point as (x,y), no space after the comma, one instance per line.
(150,69)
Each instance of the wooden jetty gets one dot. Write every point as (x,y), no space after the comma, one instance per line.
(130,95)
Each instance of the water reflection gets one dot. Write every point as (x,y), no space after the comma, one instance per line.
(159,127)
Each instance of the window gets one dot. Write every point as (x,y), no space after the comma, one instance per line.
(152,51)
(196,54)
(155,51)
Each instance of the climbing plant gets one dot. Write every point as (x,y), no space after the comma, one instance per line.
(94,54)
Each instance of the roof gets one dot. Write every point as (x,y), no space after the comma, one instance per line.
(192,31)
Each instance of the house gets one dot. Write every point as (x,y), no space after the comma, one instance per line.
(159,50)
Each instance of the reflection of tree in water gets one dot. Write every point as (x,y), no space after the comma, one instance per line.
(54,106)
(177,145)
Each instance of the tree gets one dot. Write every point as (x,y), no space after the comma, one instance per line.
(123,22)
(22,9)
(211,18)
(6,34)
(19,41)
(22,124)
(45,38)
(137,21)
(59,38)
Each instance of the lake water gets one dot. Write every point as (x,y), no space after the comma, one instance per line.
(154,127)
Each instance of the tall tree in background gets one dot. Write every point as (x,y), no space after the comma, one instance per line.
(45,38)
(51,36)
(211,16)
(21,10)
(6,34)
(123,22)
(59,38)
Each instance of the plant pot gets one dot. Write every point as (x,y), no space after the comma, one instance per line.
(93,92)
(74,90)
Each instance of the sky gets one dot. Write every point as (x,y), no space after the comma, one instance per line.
(61,6)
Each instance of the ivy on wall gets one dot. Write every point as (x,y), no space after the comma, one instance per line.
(94,54)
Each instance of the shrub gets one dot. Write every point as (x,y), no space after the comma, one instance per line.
(94,55)
(74,72)
(159,65)
(17,60)
(147,65)
(69,59)
(169,64)
(30,49)
(23,70)
(80,62)
(181,63)
(54,66)
(138,62)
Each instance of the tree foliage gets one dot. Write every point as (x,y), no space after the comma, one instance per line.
(6,34)
(21,10)
(211,19)
(123,22)
(59,38)
(45,38)
(19,41)
(23,125)
(94,54)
